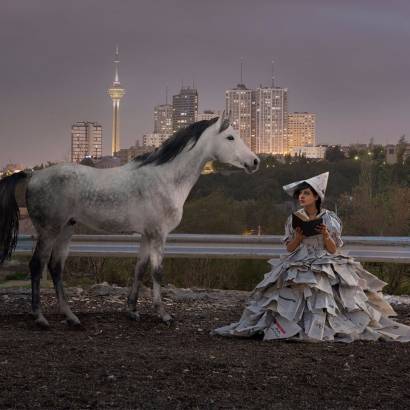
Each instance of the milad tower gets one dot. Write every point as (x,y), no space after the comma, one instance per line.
(116,93)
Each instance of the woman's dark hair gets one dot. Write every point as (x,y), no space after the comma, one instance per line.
(304,185)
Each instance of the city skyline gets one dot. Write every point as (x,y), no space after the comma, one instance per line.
(345,62)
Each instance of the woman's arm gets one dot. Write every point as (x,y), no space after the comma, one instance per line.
(295,242)
(327,240)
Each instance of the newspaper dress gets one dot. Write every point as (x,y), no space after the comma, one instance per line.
(314,295)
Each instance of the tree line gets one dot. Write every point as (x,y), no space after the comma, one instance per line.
(369,195)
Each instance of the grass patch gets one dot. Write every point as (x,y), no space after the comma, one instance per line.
(17,276)
(240,274)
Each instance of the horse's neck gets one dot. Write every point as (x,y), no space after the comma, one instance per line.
(184,171)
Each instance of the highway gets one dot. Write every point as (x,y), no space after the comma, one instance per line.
(365,249)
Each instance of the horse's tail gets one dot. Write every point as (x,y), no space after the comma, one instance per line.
(9,214)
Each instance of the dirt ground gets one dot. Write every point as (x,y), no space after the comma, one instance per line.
(116,363)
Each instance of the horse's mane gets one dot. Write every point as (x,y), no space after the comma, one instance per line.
(174,145)
(143,156)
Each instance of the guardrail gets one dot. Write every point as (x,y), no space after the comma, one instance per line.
(363,248)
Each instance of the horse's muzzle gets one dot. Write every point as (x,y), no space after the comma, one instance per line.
(253,166)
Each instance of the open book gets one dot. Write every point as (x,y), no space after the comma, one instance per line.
(308,227)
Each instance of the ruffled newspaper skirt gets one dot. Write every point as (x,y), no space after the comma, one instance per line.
(318,296)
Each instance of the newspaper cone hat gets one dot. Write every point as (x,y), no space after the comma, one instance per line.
(318,183)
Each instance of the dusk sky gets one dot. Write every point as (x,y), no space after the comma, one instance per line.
(347,61)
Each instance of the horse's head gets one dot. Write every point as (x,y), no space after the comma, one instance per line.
(226,146)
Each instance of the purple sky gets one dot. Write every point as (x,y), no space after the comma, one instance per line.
(348,61)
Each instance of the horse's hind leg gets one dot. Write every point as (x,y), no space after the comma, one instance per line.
(140,269)
(37,265)
(156,258)
(56,266)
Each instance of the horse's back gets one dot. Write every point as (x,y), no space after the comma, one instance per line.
(53,190)
(72,192)
(54,178)
(107,199)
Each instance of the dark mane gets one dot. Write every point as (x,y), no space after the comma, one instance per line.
(143,156)
(175,144)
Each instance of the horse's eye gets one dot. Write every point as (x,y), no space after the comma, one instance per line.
(230,137)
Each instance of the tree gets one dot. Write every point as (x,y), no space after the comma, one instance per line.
(268,161)
(353,152)
(378,153)
(334,153)
(288,159)
(213,214)
(401,149)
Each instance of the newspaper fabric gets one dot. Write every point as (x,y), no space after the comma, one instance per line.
(314,295)
(318,183)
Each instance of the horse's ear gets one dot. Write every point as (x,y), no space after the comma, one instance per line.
(220,120)
(223,122)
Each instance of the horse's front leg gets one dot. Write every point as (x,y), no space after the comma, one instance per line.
(156,259)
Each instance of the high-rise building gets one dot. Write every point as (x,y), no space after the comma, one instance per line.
(309,151)
(207,115)
(184,108)
(116,93)
(86,140)
(271,120)
(301,129)
(153,139)
(127,154)
(163,119)
(240,105)
(391,151)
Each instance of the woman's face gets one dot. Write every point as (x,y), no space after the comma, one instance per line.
(307,197)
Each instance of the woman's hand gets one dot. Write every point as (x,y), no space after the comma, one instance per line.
(299,234)
(295,242)
(327,240)
(322,228)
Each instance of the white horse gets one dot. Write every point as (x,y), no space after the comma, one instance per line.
(144,196)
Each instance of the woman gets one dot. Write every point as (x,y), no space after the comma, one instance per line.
(316,292)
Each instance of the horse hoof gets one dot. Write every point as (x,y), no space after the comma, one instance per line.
(133,316)
(42,323)
(74,324)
